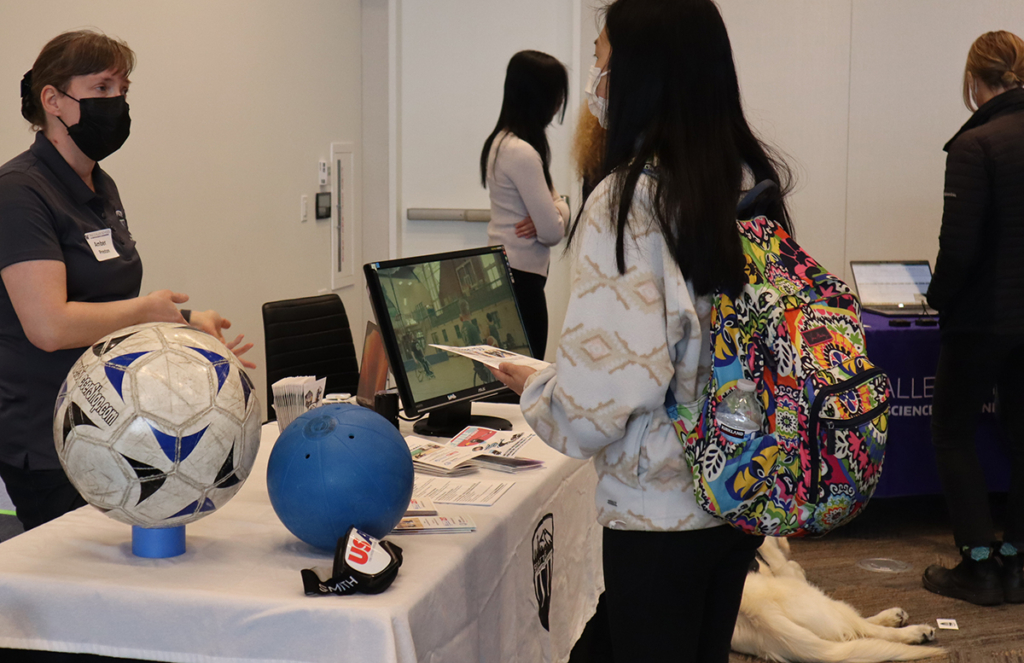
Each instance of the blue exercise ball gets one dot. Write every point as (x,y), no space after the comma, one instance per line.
(339,466)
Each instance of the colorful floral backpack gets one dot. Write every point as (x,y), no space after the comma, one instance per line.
(795,331)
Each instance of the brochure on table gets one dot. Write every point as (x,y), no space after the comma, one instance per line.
(435,525)
(473,447)
(462,492)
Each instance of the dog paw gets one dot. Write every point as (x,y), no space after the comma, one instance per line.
(892,617)
(919,634)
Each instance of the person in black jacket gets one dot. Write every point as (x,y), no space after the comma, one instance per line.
(978,289)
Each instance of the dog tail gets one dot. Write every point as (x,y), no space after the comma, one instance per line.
(781,640)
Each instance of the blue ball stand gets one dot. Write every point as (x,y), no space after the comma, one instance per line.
(158,543)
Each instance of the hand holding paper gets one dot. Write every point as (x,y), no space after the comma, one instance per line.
(513,376)
(510,368)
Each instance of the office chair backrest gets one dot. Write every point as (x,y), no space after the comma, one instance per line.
(309,336)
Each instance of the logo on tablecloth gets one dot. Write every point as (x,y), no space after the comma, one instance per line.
(543,552)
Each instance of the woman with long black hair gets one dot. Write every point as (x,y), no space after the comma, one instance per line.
(527,214)
(656,239)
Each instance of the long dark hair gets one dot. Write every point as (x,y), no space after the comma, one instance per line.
(674,102)
(536,87)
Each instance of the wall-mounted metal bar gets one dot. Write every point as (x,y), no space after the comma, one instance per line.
(439,214)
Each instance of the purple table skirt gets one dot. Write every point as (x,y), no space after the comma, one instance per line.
(909,356)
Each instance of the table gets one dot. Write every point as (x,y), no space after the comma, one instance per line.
(73,585)
(909,355)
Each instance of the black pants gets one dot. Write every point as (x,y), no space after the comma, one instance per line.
(39,496)
(529,291)
(674,596)
(969,366)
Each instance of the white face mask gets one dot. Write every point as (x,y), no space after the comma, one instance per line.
(598,106)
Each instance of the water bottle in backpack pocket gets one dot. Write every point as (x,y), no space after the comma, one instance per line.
(739,414)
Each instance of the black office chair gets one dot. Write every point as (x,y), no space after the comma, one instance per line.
(309,336)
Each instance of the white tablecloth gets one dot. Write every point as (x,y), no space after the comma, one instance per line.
(73,585)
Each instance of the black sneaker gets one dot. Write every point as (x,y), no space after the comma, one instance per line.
(1013,582)
(976,582)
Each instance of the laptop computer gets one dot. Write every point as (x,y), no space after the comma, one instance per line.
(893,287)
(373,367)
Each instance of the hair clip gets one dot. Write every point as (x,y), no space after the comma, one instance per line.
(26,84)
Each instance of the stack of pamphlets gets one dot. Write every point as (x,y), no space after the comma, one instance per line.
(293,396)
(435,525)
(473,447)
(439,459)
(420,506)
(422,518)
(500,449)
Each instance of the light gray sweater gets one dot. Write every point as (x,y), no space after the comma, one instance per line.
(626,341)
(515,180)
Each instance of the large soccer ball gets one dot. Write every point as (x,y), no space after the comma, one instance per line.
(157,425)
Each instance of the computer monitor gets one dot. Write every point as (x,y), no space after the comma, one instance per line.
(458,298)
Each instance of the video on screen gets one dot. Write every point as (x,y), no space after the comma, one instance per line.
(460,301)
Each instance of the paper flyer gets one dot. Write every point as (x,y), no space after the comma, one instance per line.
(419,506)
(492,356)
(490,441)
(472,447)
(466,492)
(440,456)
(435,525)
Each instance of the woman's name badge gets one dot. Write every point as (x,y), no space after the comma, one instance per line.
(102,244)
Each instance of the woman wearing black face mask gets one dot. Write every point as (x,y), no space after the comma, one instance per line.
(69,269)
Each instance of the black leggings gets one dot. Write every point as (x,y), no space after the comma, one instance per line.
(529,290)
(674,596)
(39,496)
(969,366)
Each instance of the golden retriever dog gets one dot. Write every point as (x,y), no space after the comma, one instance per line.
(786,619)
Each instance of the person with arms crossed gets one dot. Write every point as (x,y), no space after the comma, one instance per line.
(656,239)
(69,269)
(527,214)
(978,290)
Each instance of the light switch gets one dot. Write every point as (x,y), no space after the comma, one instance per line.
(304,209)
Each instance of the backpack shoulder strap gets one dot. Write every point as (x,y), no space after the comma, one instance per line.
(748,206)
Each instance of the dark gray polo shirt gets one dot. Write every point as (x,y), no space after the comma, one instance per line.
(45,211)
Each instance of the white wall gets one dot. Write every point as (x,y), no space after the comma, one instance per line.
(452,71)
(859,96)
(233,102)
(905,91)
(792,59)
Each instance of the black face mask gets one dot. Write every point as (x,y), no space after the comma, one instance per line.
(103,125)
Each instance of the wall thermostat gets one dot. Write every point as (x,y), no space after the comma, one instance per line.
(323,205)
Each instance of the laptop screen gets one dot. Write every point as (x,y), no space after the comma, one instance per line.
(891,284)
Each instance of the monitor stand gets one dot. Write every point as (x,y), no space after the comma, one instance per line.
(447,421)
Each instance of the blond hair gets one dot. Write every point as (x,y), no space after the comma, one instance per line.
(997,60)
(588,147)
